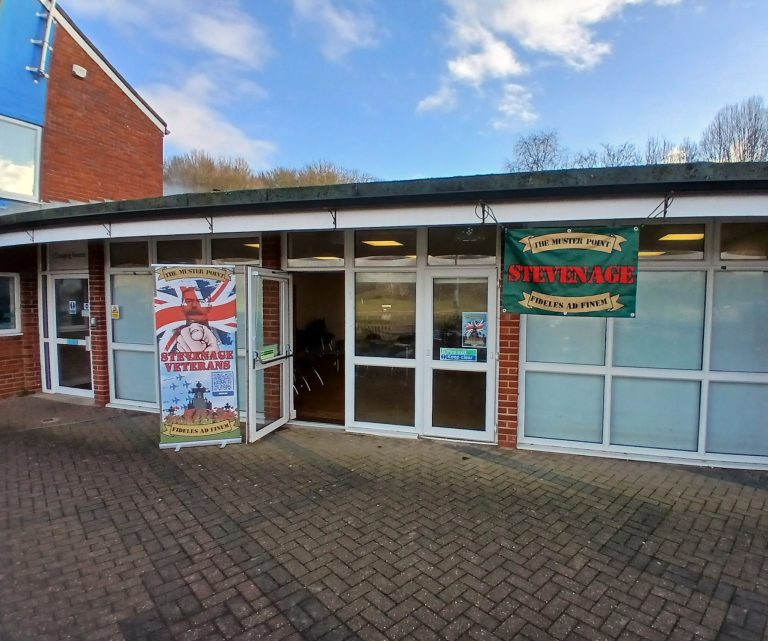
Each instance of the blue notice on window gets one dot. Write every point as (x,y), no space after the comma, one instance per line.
(458,354)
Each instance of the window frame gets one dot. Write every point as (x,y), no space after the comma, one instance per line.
(16,330)
(35,197)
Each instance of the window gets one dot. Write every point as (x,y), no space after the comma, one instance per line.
(316,249)
(672,241)
(10,319)
(391,247)
(19,159)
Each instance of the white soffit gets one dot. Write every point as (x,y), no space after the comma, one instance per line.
(536,212)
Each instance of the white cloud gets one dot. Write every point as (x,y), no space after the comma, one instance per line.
(17,179)
(235,37)
(515,106)
(221,29)
(343,29)
(443,98)
(488,36)
(196,124)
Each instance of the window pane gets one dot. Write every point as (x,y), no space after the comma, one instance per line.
(385,395)
(71,296)
(665,242)
(475,245)
(135,376)
(133,294)
(7,303)
(668,328)
(74,366)
(739,328)
(18,159)
(129,254)
(316,249)
(385,314)
(236,250)
(655,413)
(458,399)
(738,419)
(744,241)
(388,246)
(564,406)
(184,252)
(460,318)
(551,339)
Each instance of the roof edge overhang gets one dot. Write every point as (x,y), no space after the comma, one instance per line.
(660,180)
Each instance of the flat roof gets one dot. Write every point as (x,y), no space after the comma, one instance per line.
(491,188)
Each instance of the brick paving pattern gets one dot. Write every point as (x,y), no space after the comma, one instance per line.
(325,535)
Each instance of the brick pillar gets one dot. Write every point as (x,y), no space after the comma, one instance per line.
(509,371)
(30,325)
(99,347)
(270,258)
(20,354)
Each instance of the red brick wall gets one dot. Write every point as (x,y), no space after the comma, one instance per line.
(20,355)
(99,348)
(509,371)
(270,258)
(97,144)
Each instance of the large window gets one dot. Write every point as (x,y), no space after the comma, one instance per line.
(10,318)
(19,159)
(688,375)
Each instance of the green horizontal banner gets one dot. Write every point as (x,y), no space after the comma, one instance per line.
(591,271)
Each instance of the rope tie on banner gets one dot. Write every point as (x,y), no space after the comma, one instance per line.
(332,212)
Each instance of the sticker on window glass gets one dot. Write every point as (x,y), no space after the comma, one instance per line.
(474,329)
(458,354)
(73,307)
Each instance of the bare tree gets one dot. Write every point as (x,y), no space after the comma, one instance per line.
(319,172)
(538,151)
(585,159)
(622,155)
(199,171)
(738,133)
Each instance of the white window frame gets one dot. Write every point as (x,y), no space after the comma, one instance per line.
(38,140)
(16,330)
(109,271)
(710,264)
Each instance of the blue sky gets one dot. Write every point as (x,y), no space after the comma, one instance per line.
(419,88)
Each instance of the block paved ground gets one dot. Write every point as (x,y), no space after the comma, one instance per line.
(326,535)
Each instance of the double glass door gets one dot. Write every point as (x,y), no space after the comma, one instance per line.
(70,337)
(424,359)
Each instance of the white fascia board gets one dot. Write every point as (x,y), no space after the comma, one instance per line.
(538,212)
(65,24)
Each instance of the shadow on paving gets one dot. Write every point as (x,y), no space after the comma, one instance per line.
(325,535)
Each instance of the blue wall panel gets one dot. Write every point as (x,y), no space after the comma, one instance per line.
(22,92)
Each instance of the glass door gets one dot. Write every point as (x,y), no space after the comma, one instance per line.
(460,363)
(270,357)
(70,330)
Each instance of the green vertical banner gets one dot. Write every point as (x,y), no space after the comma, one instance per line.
(591,271)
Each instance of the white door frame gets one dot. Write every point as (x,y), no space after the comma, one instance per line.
(53,340)
(283,359)
(429,364)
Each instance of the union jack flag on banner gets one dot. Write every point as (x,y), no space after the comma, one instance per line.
(196,332)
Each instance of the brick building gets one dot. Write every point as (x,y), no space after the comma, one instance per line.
(71,130)
(362,291)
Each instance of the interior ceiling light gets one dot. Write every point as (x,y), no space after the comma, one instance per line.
(383,243)
(254,245)
(647,254)
(326,257)
(682,237)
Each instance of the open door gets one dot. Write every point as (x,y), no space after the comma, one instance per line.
(270,357)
